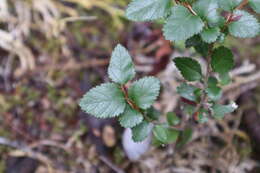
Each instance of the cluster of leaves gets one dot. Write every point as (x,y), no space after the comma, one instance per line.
(132,105)
(201,24)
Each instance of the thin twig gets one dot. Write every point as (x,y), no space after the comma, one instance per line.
(111,165)
(205,80)
(23,150)
(242,5)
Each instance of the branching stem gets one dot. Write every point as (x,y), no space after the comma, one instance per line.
(204,96)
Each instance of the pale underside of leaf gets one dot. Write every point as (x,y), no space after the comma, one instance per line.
(210,35)
(208,10)
(130,118)
(182,24)
(229,5)
(144,91)
(255,4)
(145,10)
(246,26)
(121,68)
(106,100)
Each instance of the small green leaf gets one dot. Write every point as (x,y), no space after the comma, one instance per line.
(185,137)
(210,35)
(172,119)
(106,100)
(202,117)
(146,10)
(188,109)
(208,10)
(172,135)
(246,26)
(130,118)
(160,132)
(219,111)
(214,92)
(222,60)
(152,113)
(255,4)
(189,68)
(224,79)
(200,46)
(229,5)
(182,24)
(164,134)
(212,81)
(187,91)
(221,38)
(141,131)
(121,68)
(144,91)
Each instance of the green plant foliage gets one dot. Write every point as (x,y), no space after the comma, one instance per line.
(182,24)
(222,60)
(246,26)
(187,91)
(203,25)
(173,119)
(189,68)
(210,35)
(130,118)
(141,131)
(185,137)
(160,132)
(229,5)
(219,111)
(144,91)
(152,113)
(200,46)
(224,79)
(145,10)
(104,101)
(164,134)
(121,68)
(208,10)
(214,92)
(255,4)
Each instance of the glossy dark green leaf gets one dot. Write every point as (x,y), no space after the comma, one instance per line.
(189,68)
(152,113)
(185,137)
(200,46)
(222,60)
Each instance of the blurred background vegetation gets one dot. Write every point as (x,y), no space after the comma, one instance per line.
(52,51)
